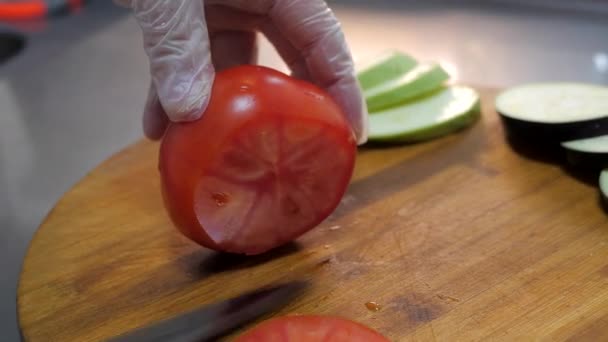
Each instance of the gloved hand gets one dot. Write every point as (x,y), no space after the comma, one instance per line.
(187,42)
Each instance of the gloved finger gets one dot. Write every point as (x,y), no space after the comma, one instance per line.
(245,14)
(292,57)
(315,33)
(177,44)
(232,35)
(123,3)
(232,48)
(346,92)
(155,119)
(223,18)
(259,7)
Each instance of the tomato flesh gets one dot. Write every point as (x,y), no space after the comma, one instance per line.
(269,160)
(266,189)
(310,328)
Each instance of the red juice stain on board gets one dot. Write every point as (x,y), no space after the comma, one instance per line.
(373,306)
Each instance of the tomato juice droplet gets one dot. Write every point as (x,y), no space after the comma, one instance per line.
(373,306)
(220,198)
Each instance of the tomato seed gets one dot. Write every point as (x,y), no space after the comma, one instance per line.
(220,198)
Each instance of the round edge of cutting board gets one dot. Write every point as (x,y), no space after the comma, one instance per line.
(143,143)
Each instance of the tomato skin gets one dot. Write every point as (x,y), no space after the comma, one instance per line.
(310,328)
(245,96)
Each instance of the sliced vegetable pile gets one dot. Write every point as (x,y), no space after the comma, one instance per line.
(410,101)
(571,116)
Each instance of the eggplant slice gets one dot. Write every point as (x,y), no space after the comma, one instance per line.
(588,152)
(550,113)
(604,185)
(444,112)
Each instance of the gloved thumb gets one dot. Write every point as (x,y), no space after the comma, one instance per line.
(176,41)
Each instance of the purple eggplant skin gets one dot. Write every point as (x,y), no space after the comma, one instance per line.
(587,160)
(551,134)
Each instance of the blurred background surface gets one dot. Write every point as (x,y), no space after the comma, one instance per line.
(72,87)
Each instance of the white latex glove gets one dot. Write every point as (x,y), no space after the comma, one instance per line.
(187,41)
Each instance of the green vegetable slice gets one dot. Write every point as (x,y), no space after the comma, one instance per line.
(443,112)
(384,67)
(597,144)
(420,80)
(604,183)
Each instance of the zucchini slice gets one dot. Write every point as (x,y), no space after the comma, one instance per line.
(420,80)
(445,111)
(383,68)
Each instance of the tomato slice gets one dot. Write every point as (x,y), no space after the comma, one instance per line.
(269,160)
(310,328)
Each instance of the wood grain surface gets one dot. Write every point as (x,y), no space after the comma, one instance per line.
(461,238)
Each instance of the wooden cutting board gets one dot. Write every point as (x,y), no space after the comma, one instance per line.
(460,238)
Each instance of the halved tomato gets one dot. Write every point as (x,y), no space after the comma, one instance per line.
(310,328)
(269,159)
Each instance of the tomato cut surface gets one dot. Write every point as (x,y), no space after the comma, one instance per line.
(310,328)
(270,159)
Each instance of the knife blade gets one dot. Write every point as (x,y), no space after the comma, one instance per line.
(212,321)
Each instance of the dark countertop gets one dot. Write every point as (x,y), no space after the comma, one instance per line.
(74,95)
(69,100)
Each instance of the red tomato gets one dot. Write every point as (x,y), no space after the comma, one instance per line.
(269,160)
(310,329)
